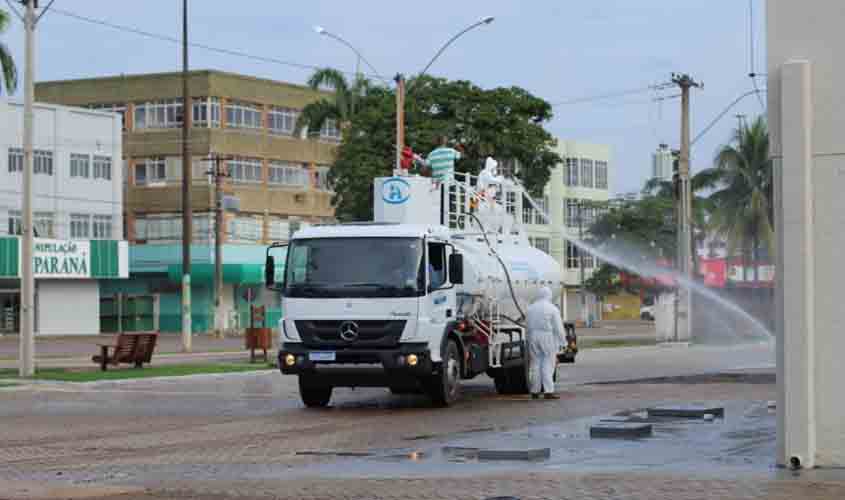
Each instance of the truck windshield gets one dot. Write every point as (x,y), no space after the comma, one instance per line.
(355,267)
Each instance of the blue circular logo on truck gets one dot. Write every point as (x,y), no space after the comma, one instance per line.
(395,191)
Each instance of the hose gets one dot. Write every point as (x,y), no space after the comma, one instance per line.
(504,268)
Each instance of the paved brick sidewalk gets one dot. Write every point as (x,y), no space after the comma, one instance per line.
(628,486)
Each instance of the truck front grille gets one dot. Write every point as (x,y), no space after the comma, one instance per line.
(370,333)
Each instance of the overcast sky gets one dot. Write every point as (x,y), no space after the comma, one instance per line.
(558,49)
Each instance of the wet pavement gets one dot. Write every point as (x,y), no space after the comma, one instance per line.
(246,435)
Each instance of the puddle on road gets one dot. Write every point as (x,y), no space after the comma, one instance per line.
(744,441)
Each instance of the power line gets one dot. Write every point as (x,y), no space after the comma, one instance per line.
(611,95)
(210,48)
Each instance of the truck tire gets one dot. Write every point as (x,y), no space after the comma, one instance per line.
(313,395)
(444,388)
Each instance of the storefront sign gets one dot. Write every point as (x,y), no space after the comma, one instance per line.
(61,259)
(66,259)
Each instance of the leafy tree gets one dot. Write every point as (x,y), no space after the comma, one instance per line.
(504,122)
(7,64)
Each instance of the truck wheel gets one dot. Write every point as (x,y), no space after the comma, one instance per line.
(518,379)
(314,396)
(445,387)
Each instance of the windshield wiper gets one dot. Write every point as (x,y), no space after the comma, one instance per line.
(381,287)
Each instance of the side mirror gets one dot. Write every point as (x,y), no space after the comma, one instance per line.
(270,272)
(456,269)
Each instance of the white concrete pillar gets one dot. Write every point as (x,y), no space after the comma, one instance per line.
(795,268)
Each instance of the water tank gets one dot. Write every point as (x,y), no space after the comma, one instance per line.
(485,278)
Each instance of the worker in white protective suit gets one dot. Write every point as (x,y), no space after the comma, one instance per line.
(487,186)
(545,337)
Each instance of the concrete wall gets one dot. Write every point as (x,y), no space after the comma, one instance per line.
(68,307)
(806,78)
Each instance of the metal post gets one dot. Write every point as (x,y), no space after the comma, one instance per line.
(218,246)
(26,367)
(187,219)
(400,120)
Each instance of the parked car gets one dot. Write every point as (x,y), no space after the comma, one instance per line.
(647,310)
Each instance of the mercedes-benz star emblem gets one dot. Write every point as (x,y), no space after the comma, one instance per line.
(349,331)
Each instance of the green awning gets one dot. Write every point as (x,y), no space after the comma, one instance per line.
(203,274)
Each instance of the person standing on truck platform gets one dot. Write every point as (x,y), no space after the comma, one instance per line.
(545,336)
(442,160)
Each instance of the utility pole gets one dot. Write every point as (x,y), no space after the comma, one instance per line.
(400,120)
(26,367)
(218,172)
(683,331)
(187,216)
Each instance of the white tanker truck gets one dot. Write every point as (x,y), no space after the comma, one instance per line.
(430,293)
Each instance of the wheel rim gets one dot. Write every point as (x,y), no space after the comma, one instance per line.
(452,374)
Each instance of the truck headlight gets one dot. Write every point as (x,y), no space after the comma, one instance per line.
(290,360)
(412,360)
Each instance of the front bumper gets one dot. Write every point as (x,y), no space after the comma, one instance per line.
(359,367)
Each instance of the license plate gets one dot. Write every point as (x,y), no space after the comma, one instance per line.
(321,356)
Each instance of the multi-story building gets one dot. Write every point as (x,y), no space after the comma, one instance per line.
(577,192)
(280,179)
(662,162)
(77,187)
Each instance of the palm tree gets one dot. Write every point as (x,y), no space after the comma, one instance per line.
(342,108)
(743,202)
(7,64)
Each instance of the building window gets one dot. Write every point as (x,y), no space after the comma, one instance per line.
(206,112)
(542,244)
(158,114)
(510,202)
(45,224)
(571,173)
(601,175)
(245,170)
(204,228)
(80,226)
(279,229)
(571,256)
(321,178)
(541,212)
(113,108)
(150,171)
(245,229)
(242,115)
(159,229)
(586,173)
(103,227)
(42,162)
(282,121)
(287,174)
(572,213)
(15,223)
(102,167)
(80,166)
(330,130)
(15,160)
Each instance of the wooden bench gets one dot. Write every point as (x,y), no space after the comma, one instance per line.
(129,348)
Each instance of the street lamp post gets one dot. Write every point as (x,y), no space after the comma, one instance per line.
(360,57)
(400,79)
